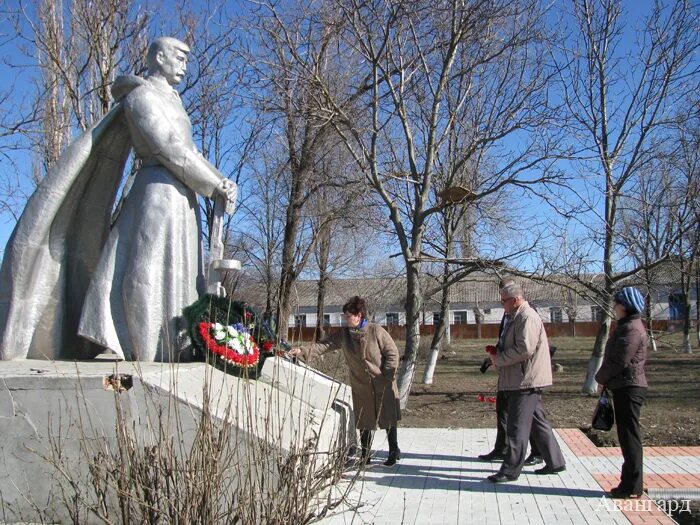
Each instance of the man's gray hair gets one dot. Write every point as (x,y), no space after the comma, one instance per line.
(165,44)
(505,282)
(512,290)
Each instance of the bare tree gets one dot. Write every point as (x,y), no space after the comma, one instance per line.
(80,49)
(15,121)
(408,57)
(687,164)
(341,242)
(647,226)
(453,233)
(262,212)
(616,102)
(294,51)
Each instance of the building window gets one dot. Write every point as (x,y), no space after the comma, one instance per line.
(326,320)
(597,314)
(555,315)
(300,320)
(436,318)
(392,319)
(460,317)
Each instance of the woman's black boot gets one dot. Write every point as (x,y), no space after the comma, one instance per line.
(366,442)
(394,450)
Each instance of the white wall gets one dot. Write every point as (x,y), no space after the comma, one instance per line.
(659,311)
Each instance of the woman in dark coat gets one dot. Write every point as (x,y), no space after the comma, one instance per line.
(622,372)
(372,359)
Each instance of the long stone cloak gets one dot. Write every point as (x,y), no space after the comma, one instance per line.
(56,244)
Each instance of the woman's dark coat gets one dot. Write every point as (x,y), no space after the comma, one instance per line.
(625,355)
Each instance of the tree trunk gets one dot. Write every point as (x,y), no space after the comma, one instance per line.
(438,337)
(284,309)
(414,303)
(324,248)
(288,275)
(478,318)
(321,306)
(697,304)
(430,366)
(687,347)
(650,320)
(270,308)
(591,386)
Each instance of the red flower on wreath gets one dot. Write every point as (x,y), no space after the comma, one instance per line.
(232,344)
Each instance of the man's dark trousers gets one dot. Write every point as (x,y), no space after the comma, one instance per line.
(501,445)
(526,419)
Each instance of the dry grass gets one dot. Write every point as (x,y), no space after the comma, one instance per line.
(159,461)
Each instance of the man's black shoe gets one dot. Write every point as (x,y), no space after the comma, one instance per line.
(549,470)
(533,459)
(500,477)
(619,493)
(492,456)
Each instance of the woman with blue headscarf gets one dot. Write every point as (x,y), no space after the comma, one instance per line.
(622,372)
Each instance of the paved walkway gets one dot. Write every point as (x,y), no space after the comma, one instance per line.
(439,480)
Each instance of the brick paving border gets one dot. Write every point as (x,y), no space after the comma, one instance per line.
(637,511)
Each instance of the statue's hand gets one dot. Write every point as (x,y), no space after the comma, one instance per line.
(229,190)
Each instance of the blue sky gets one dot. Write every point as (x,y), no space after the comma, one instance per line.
(19,81)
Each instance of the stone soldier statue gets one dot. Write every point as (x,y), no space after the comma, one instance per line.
(71,284)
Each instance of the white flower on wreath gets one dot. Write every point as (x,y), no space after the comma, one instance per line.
(240,342)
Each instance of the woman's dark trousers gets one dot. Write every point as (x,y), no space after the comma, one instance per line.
(366,441)
(628,406)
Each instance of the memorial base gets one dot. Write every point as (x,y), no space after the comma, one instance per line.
(68,427)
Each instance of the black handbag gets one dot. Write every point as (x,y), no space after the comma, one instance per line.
(604,415)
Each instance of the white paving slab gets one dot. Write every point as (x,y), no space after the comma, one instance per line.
(440,480)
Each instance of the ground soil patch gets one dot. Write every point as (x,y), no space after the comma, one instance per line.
(671,415)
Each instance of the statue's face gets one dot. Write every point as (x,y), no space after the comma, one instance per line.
(173,64)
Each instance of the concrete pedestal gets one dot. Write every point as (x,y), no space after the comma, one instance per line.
(55,415)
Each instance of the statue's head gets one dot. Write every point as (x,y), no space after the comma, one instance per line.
(167,57)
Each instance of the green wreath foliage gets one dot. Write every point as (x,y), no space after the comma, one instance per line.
(211,308)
